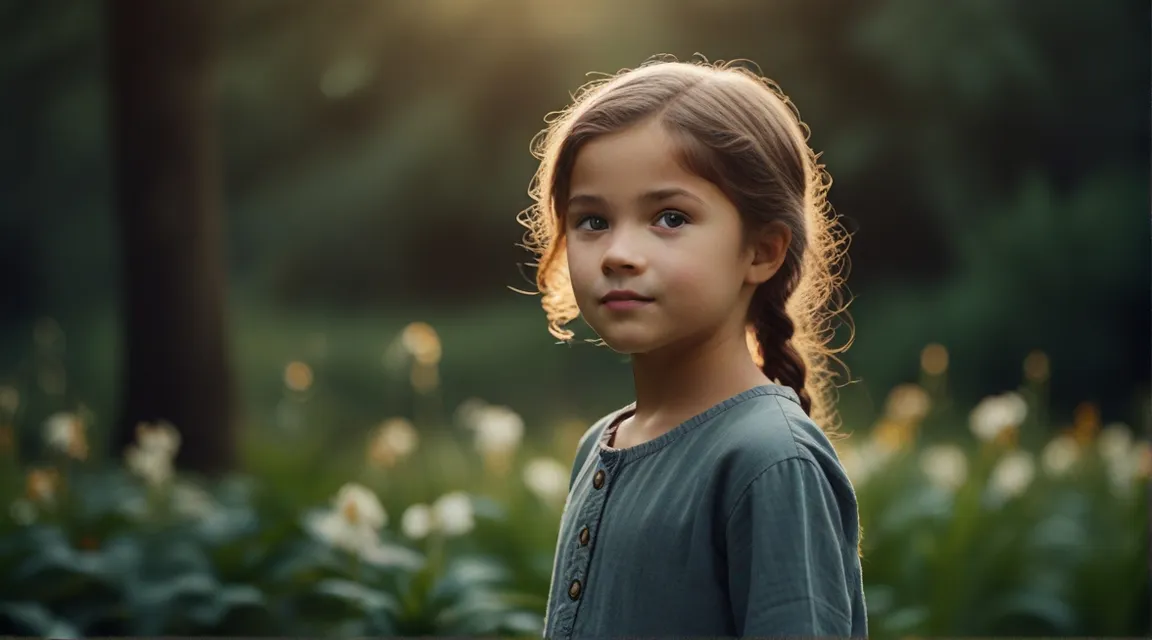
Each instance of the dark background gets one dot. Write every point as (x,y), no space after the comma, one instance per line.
(223,214)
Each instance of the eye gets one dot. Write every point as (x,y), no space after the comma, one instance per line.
(592,223)
(672,219)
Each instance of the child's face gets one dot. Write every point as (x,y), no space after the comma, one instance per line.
(637,221)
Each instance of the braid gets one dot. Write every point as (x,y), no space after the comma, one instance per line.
(774,331)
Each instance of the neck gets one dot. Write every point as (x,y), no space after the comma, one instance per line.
(679,382)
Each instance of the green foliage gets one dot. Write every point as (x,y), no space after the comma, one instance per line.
(112,555)
(1067,558)
(116,568)
(1061,261)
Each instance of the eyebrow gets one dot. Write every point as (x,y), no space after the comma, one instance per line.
(659,195)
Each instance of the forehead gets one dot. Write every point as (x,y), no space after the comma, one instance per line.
(631,160)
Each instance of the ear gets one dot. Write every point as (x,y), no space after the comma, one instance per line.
(769,247)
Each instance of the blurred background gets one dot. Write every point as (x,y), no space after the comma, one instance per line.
(262,370)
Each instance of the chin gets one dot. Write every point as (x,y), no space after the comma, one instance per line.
(628,343)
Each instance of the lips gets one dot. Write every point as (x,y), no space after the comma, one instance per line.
(624,295)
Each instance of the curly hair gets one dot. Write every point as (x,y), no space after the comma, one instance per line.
(739,131)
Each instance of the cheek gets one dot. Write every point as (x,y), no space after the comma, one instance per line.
(709,287)
(582,269)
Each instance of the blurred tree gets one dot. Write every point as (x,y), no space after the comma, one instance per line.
(167,183)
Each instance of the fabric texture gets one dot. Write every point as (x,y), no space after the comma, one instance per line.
(738,522)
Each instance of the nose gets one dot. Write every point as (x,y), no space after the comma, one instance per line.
(623,255)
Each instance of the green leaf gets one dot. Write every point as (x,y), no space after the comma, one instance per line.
(32,619)
(56,572)
(468,574)
(240,610)
(477,613)
(337,600)
(160,606)
(393,556)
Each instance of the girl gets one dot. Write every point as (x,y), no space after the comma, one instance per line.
(680,211)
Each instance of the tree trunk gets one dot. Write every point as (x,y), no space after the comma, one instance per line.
(168,203)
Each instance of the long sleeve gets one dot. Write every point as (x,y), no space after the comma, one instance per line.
(791,566)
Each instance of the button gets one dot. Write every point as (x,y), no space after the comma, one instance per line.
(598,479)
(584,535)
(574,590)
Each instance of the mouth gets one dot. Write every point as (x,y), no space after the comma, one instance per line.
(623,299)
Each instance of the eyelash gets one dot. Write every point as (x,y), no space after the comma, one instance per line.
(683,217)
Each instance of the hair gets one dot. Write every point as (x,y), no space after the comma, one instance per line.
(736,129)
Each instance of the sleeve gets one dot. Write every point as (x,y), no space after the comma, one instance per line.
(787,568)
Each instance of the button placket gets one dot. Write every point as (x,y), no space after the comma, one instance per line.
(580,560)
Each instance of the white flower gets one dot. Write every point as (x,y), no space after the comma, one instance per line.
(908,403)
(1060,455)
(1114,442)
(1012,474)
(996,414)
(421,342)
(394,439)
(853,463)
(945,465)
(358,505)
(160,437)
(154,466)
(43,485)
(401,436)
(65,432)
(416,523)
(498,430)
(333,529)
(861,461)
(191,501)
(353,522)
(1123,457)
(547,478)
(453,514)
(151,457)
(467,411)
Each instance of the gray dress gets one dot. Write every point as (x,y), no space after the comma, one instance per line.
(739,522)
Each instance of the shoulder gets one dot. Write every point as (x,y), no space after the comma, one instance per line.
(770,430)
(768,427)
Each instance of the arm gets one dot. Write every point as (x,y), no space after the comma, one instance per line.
(788,573)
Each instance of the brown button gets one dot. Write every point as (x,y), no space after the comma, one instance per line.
(598,479)
(574,590)
(584,535)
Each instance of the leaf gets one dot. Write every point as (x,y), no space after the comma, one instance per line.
(226,524)
(159,605)
(366,598)
(337,600)
(469,573)
(477,613)
(393,556)
(522,623)
(301,561)
(57,571)
(32,619)
(241,610)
